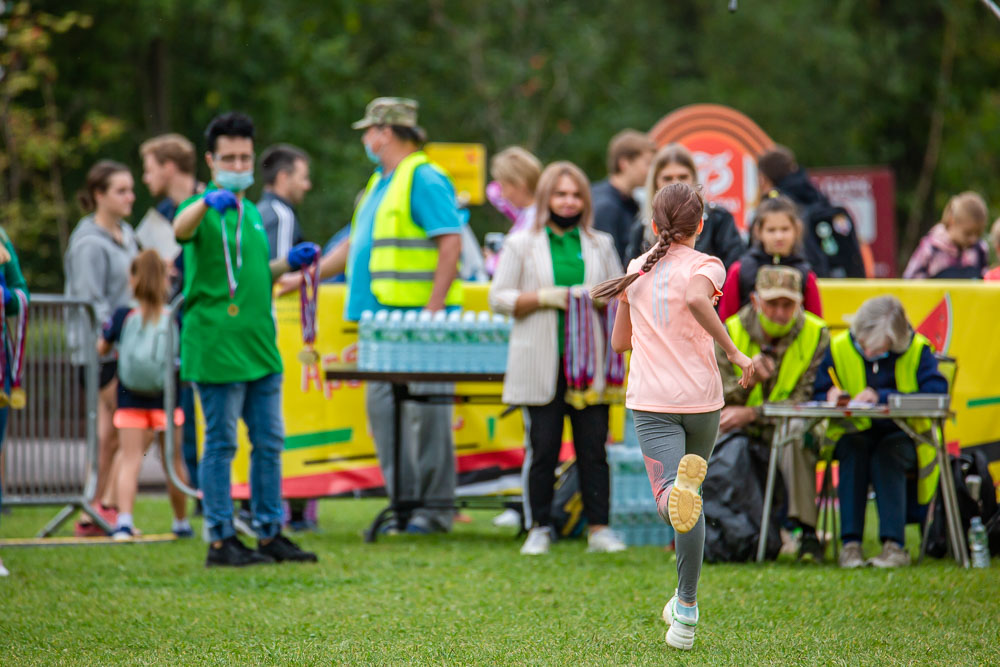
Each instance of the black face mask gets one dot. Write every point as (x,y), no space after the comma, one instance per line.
(565,223)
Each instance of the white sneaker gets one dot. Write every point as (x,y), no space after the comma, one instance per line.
(507,519)
(4,572)
(851,556)
(537,543)
(605,541)
(892,555)
(680,633)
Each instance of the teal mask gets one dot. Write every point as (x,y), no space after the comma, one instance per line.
(772,328)
(372,155)
(234,181)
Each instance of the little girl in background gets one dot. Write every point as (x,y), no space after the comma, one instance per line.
(512,192)
(666,317)
(777,232)
(140,417)
(954,248)
(994,273)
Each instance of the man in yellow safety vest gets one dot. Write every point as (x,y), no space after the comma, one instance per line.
(880,355)
(787,345)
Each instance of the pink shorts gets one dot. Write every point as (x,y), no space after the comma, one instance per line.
(145,419)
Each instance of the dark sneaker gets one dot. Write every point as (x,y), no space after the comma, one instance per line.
(810,550)
(234,553)
(283,549)
(184,533)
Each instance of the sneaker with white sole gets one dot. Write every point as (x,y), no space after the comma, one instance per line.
(851,556)
(4,572)
(680,633)
(509,518)
(684,502)
(892,555)
(123,534)
(605,541)
(537,543)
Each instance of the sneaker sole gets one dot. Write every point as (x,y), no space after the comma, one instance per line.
(684,504)
(680,636)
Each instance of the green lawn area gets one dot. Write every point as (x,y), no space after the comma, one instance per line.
(469,598)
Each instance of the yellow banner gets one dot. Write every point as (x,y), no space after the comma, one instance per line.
(466,164)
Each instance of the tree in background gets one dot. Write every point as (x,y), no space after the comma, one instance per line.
(38,147)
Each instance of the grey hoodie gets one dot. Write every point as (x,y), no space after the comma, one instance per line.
(97,271)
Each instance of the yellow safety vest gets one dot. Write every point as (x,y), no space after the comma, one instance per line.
(403,258)
(794,363)
(850,368)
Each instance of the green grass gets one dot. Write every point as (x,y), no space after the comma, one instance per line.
(469,598)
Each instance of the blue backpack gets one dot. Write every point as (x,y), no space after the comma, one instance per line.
(143,357)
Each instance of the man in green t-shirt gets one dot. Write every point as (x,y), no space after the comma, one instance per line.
(228,346)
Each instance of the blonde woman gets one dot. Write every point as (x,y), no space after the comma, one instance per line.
(515,174)
(720,238)
(532,283)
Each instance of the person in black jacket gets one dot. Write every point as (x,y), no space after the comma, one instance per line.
(629,154)
(831,240)
(720,238)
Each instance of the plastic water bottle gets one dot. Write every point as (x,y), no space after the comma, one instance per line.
(484,343)
(393,338)
(379,356)
(408,341)
(470,340)
(979,547)
(366,339)
(454,358)
(501,340)
(438,353)
(424,341)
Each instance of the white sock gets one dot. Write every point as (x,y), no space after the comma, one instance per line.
(181,524)
(124,520)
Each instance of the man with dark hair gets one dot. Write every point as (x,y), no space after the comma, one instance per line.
(228,346)
(285,171)
(831,242)
(629,155)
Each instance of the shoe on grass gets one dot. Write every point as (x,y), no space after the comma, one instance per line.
(892,555)
(684,502)
(243,523)
(233,553)
(88,529)
(183,533)
(4,572)
(851,556)
(605,541)
(283,549)
(680,633)
(810,550)
(123,534)
(538,542)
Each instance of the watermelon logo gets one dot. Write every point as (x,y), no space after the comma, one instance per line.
(937,325)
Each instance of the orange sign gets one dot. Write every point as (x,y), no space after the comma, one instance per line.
(725,144)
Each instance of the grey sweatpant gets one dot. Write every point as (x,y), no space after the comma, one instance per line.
(664,439)
(427,454)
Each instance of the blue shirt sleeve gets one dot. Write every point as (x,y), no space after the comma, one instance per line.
(432,202)
(112,330)
(823,383)
(929,378)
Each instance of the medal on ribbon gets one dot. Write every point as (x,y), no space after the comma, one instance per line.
(308,298)
(232,275)
(614,362)
(16,347)
(4,355)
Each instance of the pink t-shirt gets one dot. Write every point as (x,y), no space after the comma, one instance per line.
(673,366)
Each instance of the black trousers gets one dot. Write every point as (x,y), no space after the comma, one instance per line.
(590,433)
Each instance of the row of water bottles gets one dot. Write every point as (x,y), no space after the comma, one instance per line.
(633,509)
(408,341)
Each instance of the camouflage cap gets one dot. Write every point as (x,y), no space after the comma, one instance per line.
(775,282)
(389,111)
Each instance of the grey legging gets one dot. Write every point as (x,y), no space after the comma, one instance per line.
(664,439)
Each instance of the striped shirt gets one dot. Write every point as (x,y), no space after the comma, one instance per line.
(280,223)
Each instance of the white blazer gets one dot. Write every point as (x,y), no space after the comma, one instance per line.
(526,266)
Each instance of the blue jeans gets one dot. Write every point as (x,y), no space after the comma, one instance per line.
(189,441)
(259,404)
(881,460)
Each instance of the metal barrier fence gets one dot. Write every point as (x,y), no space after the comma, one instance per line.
(50,452)
(170,403)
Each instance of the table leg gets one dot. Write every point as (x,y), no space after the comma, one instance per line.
(949,497)
(772,470)
(400,393)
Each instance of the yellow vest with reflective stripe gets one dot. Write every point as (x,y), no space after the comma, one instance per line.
(794,363)
(403,258)
(850,368)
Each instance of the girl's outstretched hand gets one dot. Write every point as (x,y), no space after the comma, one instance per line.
(745,364)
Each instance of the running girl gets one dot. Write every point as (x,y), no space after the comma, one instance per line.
(668,321)
(142,363)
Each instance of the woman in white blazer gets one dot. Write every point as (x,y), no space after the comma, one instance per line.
(532,281)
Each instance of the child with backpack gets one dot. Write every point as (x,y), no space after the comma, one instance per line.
(666,317)
(140,333)
(777,234)
(954,248)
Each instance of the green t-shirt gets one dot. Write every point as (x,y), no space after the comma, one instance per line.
(12,275)
(567,269)
(222,339)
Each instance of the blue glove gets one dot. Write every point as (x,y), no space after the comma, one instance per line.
(301,255)
(220,200)
(7,294)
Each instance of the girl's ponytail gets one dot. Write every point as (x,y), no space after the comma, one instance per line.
(677,211)
(150,275)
